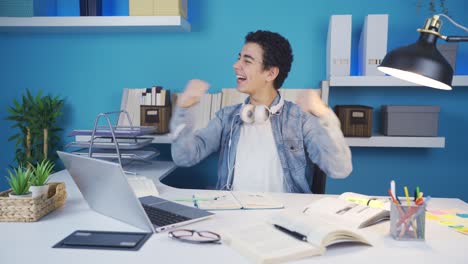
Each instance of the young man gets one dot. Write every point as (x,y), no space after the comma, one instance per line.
(265,142)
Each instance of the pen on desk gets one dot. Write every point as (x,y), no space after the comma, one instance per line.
(296,235)
(194,201)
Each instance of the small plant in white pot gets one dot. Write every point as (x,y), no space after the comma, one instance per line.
(19,182)
(39,178)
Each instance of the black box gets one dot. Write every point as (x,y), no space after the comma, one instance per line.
(356,120)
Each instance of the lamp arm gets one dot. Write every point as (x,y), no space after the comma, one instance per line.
(457,39)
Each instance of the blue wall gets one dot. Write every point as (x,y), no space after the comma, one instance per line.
(90,69)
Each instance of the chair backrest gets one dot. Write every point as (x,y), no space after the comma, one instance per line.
(319,180)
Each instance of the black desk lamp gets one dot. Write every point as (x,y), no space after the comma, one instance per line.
(421,62)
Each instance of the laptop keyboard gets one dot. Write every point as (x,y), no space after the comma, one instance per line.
(162,218)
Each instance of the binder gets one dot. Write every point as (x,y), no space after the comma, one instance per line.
(339,46)
(372,45)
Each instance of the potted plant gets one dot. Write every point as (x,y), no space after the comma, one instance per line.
(36,117)
(39,178)
(19,181)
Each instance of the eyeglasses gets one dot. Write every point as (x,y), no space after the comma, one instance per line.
(194,236)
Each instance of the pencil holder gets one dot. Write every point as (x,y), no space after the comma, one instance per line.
(408,222)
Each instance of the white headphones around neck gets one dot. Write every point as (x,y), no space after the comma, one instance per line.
(258,113)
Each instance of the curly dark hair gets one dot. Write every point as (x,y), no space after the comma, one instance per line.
(277,52)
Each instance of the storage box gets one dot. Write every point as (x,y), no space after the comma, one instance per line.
(449,51)
(356,120)
(32,209)
(405,120)
(170,8)
(16,8)
(140,7)
(158,8)
(154,115)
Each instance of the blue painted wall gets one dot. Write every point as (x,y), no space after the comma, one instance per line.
(90,69)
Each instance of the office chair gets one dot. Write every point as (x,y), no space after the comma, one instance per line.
(318,181)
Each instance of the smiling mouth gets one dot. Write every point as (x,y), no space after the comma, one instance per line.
(240,79)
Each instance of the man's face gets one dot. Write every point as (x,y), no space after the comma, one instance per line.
(249,69)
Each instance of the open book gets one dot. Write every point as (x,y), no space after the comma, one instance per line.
(289,236)
(351,209)
(235,200)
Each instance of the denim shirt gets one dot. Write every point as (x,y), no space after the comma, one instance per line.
(298,135)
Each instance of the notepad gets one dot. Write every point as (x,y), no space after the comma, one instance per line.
(86,239)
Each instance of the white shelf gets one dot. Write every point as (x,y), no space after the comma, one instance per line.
(398,142)
(384,81)
(95,24)
(158,139)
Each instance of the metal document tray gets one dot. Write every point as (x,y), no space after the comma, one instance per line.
(124,154)
(108,143)
(119,131)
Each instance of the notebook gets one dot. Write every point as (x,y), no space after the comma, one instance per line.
(105,187)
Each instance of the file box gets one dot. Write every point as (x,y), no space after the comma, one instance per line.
(154,115)
(356,120)
(406,120)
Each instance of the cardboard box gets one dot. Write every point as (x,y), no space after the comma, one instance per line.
(140,7)
(170,8)
(356,120)
(406,120)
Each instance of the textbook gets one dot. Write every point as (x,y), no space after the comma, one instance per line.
(235,200)
(352,209)
(289,236)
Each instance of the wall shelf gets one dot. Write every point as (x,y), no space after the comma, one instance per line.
(384,81)
(398,142)
(95,24)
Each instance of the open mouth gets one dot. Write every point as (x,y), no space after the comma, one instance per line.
(240,79)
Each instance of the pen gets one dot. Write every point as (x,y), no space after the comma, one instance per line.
(407,196)
(392,187)
(296,235)
(416,193)
(194,201)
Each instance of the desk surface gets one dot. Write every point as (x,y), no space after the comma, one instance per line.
(21,242)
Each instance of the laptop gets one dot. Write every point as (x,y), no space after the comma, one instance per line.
(105,187)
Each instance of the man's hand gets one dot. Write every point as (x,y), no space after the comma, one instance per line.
(192,94)
(310,101)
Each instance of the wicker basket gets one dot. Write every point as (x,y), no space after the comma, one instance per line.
(31,209)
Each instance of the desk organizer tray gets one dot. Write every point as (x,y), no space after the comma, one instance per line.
(119,131)
(31,209)
(128,154)
(108,143)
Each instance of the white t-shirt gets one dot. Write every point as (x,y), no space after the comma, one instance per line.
(257,164)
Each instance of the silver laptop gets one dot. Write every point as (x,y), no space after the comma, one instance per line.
(105,187)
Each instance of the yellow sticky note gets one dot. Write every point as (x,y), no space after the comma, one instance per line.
(463,230)
(448,223)
(430,216)
(447,216)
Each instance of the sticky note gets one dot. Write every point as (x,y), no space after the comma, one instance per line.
(462,215)
(430,216)
(448,223)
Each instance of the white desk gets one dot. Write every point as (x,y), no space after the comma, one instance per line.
(23,242)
